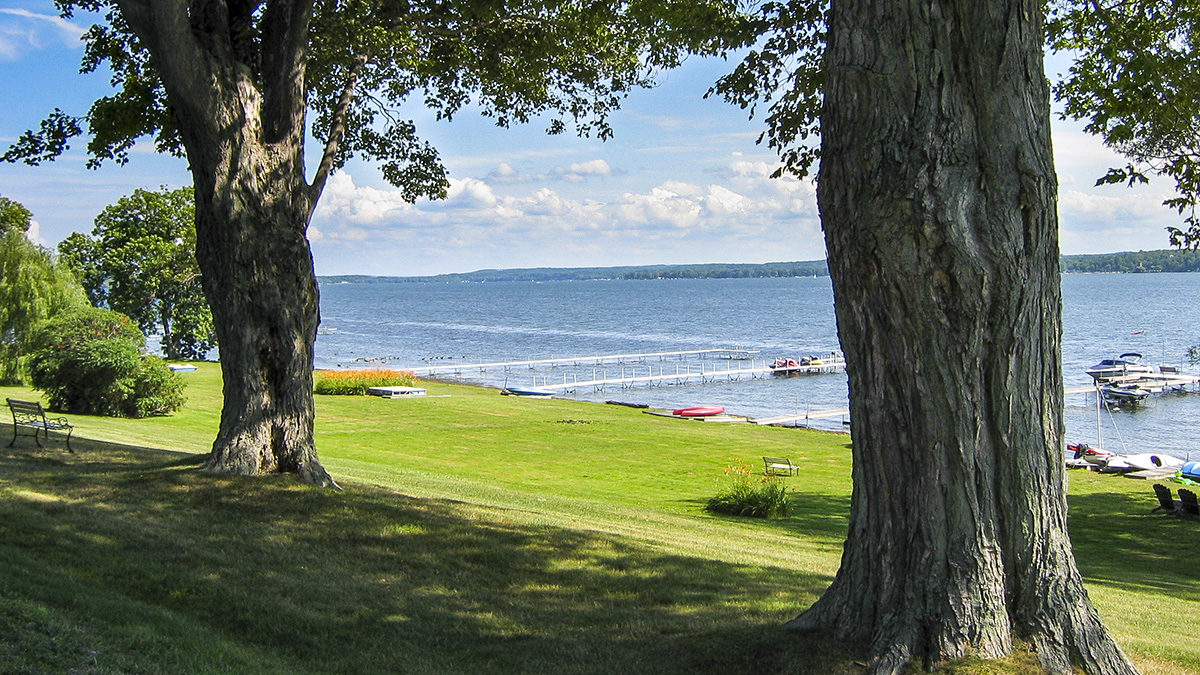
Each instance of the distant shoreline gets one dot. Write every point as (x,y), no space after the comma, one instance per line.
(1166,260)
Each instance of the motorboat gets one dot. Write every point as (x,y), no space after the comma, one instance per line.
(1129,363)
(807,364)
(1127,393)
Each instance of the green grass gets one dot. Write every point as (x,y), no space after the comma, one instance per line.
(479,533)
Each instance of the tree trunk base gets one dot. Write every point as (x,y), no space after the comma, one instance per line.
(256,459)
(1085,645)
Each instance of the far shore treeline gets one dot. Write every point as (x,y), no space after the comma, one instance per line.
(1169,260)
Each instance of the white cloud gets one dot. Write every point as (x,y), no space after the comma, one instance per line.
(723,200)
(343,201)
(469,193)
(34,233)
(580,170)
(746,216)
(22,31)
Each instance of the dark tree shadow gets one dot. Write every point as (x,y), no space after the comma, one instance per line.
(369,581)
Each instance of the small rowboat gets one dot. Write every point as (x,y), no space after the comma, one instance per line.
(699,411)
(526,391)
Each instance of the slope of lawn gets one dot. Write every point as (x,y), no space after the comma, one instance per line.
(478,533)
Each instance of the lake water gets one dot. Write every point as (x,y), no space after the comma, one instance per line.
(415,324)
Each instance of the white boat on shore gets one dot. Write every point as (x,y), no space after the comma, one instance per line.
(1140,462)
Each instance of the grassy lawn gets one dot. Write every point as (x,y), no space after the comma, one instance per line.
(479,534)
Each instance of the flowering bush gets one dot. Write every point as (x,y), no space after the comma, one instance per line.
(357,382)
(741,493)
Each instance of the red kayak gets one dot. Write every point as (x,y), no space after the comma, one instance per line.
(700,411)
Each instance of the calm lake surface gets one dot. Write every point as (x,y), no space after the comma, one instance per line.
(400,325)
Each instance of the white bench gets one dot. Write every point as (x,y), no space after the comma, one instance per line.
(780,466)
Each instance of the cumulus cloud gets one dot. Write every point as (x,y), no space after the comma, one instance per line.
(581,170)
(744,216)
(34,233)
(506,174)
(345,202)
(469,193)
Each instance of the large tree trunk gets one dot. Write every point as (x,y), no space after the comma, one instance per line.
(252,210)
(937,194)
(260,284)
(244,135)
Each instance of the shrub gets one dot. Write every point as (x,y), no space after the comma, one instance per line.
(357,382)
(744,494)
(91,361)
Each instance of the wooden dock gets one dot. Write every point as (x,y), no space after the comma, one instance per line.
(1155,383)
(650,376)
(580,361)
(802,417)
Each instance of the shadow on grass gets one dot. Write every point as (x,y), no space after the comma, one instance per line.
(1120,542)
(814,515)
(145,561)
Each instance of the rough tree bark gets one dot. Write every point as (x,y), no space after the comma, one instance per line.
(938,197)
(244,141)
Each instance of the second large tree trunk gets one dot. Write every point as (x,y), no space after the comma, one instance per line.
(258,276)
(242,121)
(938,194)
(252,212)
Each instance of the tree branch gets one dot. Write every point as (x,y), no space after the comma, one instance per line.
(337,127)
(284,56)
(163,26)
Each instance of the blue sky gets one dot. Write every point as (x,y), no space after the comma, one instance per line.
(682,182)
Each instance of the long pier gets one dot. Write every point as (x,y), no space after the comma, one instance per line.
(578,361)
(632,376)
(802,417)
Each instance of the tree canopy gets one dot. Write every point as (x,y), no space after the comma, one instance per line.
(14,216)
(363,61)
(140,260)
(1134,80)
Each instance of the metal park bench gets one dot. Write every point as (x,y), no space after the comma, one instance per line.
(779,466)
(31,414)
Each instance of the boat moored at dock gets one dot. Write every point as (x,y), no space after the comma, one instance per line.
(808,364)
(1125,365)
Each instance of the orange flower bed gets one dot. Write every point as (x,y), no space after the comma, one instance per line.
(357,382)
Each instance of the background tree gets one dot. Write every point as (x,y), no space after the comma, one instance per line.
(14,216)
(33,287)
(1133,78)
(937,195)
(140,260)
(230,83)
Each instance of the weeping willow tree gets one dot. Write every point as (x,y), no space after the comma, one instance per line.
(33,287)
